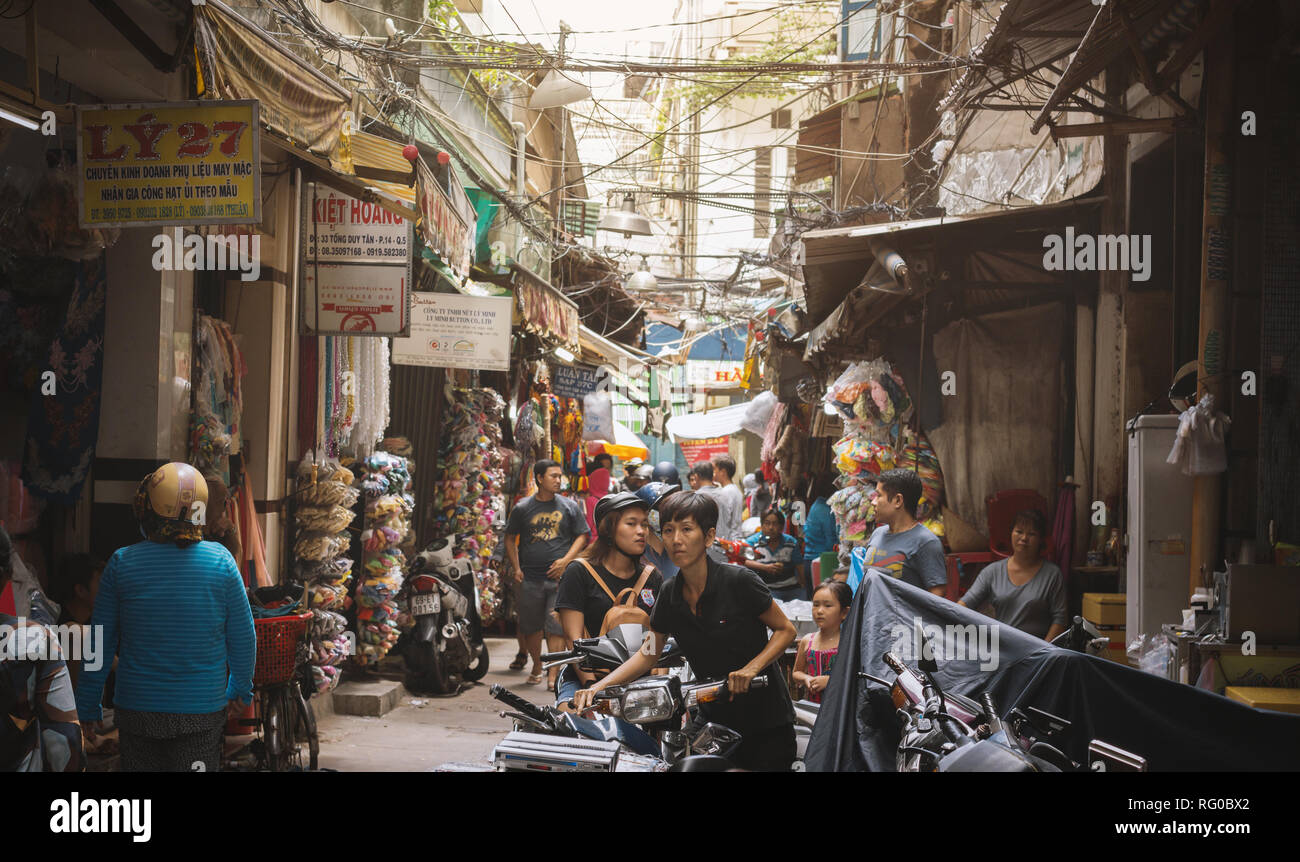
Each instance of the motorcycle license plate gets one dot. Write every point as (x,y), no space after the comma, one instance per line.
(425,603)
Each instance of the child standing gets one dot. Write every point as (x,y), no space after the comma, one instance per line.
(817,651)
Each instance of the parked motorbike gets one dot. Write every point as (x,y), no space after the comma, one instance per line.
(445,647)
(945,732)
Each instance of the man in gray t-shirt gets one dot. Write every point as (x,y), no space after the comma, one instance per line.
(1034,607)
(903,547)
(544,534)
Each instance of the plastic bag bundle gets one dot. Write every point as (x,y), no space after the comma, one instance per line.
(918,455)
(321,546)
(854,510)
(334,571)
(326,597)
(872,399)
(331,519)
(856,455)
(1199,448)
(489,593)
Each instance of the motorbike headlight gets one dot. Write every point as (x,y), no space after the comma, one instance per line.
(647,705)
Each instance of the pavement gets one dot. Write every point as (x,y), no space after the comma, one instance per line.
(424,732)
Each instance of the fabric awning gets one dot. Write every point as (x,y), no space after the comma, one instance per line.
(545,311)
(722,422)
(239,60)
(1033,35)
(626,445)
(378,156)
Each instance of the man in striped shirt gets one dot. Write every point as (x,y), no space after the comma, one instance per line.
(174,611)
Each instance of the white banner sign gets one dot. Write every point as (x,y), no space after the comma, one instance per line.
(356,265)
(451,330)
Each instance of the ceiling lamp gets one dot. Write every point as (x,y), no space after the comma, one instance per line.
(642,280)
(557,89)
(625,220)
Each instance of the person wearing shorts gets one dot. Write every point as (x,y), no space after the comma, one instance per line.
(544,534)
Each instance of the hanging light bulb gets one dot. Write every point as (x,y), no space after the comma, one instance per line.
(643,278)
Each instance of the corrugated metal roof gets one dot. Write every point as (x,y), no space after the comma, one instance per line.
(372,151)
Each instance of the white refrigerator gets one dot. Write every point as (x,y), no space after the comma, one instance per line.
(1159,528)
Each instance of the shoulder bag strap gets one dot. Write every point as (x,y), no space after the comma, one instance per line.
(634,591)
(599,580)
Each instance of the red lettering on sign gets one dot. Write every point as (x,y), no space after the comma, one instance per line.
(147,130)
(196,140)
(98,144)
(235,129)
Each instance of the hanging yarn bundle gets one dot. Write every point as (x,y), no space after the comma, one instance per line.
(352,388)
(321,562)
(469,506)
(385,480)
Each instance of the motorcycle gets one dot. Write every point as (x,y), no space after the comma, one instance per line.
(445,647)
(644,717)
(947,732)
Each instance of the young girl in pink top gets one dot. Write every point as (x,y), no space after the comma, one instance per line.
(817,651)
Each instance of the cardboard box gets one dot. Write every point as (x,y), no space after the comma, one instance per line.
(1279,699)
(1105,609)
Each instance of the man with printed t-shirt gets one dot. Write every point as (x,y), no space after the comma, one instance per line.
(544,534)
(903,547)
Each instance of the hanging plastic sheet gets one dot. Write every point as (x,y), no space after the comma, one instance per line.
(1174,726)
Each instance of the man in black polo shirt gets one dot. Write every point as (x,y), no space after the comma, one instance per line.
(720,615)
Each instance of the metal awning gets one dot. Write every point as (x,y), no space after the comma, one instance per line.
(1074,41)
(380,163)
(991,247)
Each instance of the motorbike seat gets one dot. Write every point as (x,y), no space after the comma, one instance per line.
(702,763)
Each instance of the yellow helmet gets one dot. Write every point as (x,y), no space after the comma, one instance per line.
(165,502)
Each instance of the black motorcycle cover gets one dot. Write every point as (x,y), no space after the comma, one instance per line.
(1174,726)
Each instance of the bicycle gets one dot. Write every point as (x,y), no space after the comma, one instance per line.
(284,716)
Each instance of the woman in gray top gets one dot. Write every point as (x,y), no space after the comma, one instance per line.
(1026,591)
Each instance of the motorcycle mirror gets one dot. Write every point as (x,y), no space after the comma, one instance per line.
(927,661)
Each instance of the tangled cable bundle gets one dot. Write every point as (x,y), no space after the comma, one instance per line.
(323,514)
(468,505)
(385,479)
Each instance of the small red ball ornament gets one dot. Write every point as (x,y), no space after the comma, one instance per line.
(443,157)
(411,152)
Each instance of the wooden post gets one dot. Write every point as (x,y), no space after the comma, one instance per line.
(1215,265)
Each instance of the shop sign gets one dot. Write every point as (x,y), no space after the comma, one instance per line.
(714,373)
(452,330)
(443,228)
(356,265)
(169,163)
(704,450)
(574,381)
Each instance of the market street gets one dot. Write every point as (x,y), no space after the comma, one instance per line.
(424,732)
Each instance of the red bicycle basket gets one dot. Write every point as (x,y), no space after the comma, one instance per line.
(277,647)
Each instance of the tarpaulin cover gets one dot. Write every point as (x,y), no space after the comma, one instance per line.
(1174,726)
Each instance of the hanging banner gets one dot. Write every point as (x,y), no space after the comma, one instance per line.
(573,381)
(169,163)
(546,311)
(356,265)
(704,450)
(239,61)
(715,373)
(442,227)
(452,330)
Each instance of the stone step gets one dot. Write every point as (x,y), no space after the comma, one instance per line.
(371,697)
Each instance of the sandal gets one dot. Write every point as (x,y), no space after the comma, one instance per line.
(521,659)
(535,678)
